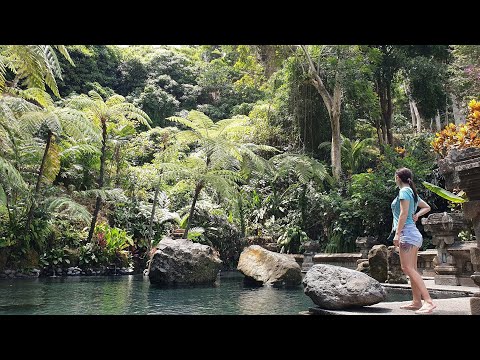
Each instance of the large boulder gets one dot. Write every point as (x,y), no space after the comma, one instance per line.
(268,267)
(335,287)
(377,260)
(183,262)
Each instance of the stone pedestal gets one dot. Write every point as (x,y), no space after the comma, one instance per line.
(426,262)
(475,301)
(461,169)
(444,228)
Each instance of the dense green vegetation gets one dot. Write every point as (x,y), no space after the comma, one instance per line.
(105,149)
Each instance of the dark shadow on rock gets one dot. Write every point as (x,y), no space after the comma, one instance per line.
(361,309)
(182,285)
(251,282)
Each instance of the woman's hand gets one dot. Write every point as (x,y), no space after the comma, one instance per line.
(415,217)
(396,240)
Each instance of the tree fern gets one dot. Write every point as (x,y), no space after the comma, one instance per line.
(200,120)
(64,207)
(36,94)
(10,177)
(101,113)
(35,65)
(220,151)
(304,167)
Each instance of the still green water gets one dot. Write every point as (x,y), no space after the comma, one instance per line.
(133,294)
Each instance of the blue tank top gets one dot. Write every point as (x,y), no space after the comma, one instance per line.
(405,193)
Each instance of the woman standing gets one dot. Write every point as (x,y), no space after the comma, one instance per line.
(409,239)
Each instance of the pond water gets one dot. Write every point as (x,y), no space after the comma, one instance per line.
(133,294)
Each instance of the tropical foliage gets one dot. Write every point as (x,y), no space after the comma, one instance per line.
(106,150)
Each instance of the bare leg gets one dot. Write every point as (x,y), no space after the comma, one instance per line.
(417,296)
(408,259)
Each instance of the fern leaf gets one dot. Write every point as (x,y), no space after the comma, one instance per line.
(68,208)
(38,95)
(52,163)
(63,50)
(10,177)
(200,119)
(115,100)
(95,96)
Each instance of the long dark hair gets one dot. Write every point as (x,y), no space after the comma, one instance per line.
(406,177)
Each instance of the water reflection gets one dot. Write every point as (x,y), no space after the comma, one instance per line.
(132,294)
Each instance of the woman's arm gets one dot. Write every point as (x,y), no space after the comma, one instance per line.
(424,208)
(401,220)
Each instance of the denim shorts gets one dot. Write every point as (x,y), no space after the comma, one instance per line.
(411,235)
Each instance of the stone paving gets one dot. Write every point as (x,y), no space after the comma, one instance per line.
(445,306)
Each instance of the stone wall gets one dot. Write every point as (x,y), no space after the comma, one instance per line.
(348,260)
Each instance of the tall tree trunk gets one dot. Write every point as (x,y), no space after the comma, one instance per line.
(198,188)
(98,202)
(152,216)
(117,163)
(303,204)
(384,95)
(335,125)
(39,180)
(457,114)
(241,213)
(417,115)
(410,104)
(412,114)
(438,123)
(389,113)
(333,105)
(381,143)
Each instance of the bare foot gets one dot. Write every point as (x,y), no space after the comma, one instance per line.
(427,308)
(412,306)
